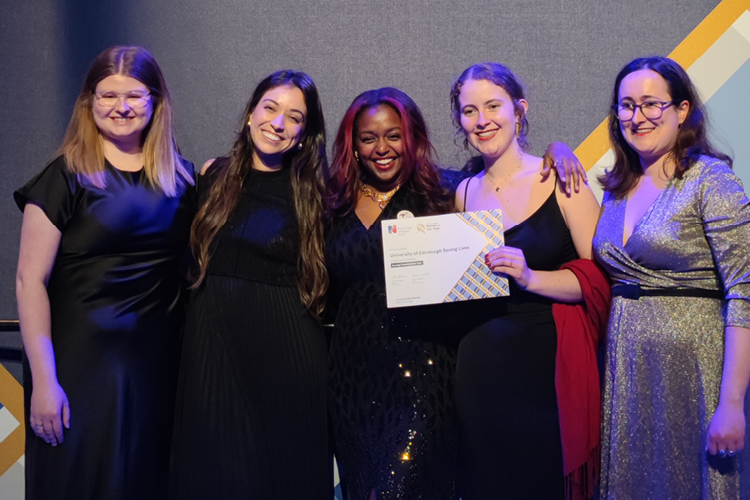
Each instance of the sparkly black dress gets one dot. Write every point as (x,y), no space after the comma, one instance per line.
(391,396)
(505,378)
(116,300)
(251,420)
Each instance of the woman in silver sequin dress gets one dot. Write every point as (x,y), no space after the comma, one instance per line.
(673,234)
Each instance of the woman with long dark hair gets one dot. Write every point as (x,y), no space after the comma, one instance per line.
(100,293)
(251,418)
(673,235)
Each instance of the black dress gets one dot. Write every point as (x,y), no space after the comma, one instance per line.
(505,378)
(251,417)
(116,302)
(391,400)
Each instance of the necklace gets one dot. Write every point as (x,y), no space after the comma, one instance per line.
(504,179)
(381,199)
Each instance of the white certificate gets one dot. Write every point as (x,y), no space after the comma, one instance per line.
(440,258)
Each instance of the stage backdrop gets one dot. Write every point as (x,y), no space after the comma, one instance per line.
(213,53)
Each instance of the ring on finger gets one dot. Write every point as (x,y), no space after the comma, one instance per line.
(722,453)
(731,453)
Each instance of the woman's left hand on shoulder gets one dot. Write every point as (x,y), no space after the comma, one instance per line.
(510,261)
(726,430)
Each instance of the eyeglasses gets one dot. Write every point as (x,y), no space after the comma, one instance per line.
(109,99)
(652,110)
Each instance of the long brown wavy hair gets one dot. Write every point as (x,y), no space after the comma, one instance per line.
(692,137)
(308,165)
(419,173)
(82,147)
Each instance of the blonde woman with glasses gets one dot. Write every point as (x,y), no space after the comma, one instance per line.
(99,291)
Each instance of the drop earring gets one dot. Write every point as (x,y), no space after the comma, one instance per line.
(518,130)
(356,156)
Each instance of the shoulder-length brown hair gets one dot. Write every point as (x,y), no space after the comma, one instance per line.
(418,174)
(307,163)
(692,138)
(82,145)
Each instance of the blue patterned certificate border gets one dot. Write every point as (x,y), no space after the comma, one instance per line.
(478,281)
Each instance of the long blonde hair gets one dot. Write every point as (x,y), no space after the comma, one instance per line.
(82,146)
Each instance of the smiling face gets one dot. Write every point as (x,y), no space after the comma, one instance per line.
(488,117)
(276,125)
(652,139)
(380,146)
(121,124)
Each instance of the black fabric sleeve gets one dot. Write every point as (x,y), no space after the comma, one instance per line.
(53,190)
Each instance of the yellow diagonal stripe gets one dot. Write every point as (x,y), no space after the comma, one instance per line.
(691,48)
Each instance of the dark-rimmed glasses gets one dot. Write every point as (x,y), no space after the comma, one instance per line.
(109,99)
(652,110)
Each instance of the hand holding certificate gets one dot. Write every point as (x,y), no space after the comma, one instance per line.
(441,258)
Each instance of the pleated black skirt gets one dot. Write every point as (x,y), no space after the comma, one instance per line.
(251,418)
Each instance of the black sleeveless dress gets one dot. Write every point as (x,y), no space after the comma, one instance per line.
(251,417)
(391,393)
(116,300)
(505,378)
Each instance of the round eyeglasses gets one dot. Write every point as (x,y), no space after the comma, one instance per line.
(109,99)
(652,110)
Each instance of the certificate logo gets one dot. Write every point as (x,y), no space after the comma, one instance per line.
(420,228)
(392,229)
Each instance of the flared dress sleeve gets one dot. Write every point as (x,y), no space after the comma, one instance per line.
(725,212)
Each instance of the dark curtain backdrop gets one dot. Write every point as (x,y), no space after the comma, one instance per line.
(214,52)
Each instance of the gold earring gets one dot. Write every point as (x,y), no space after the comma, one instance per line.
(356,156)
(518,130)
(250,121)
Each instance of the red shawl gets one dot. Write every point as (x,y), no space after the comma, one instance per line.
(579,327)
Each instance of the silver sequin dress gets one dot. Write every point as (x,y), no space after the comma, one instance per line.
(665,354)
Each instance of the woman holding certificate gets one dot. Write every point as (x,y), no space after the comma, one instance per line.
(512,398)
(391,401)
(391,384)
